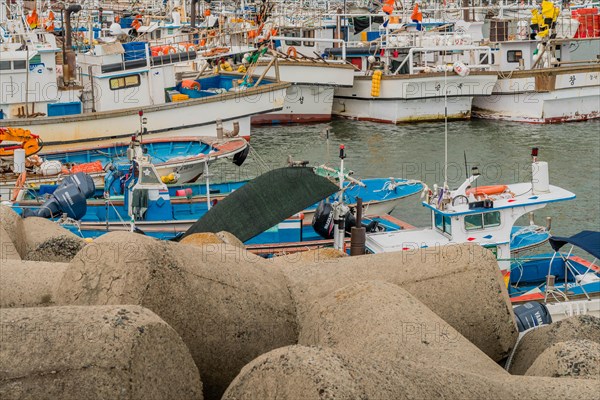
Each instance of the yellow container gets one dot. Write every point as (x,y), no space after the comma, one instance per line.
(179,97)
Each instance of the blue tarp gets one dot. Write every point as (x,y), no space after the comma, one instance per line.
(586,240)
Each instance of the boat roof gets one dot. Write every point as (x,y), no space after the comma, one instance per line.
(522,196)
(585,240)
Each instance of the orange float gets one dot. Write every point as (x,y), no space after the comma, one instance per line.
(487,190)
(190,84)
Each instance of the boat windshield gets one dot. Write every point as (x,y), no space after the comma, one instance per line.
(482,221)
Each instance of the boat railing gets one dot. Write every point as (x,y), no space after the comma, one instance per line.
(305,42)
(409,59)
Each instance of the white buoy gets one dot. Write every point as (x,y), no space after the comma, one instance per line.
(51,167)
(19,161)
(540,179)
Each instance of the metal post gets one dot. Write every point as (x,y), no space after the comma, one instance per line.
(207,183)
(358,233)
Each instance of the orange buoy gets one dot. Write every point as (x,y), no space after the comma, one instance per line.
(487,190)
(168,50)
(291,51)
(190,84)
(187,46)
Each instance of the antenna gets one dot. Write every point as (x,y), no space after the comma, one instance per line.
(445,122)
(466,165)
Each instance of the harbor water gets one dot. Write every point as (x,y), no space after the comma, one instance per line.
(500,150)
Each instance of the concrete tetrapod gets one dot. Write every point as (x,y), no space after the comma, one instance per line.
(536,341)
(29,283)
(39,239)
(297,372)
(460,283)
(106,352)
(227,307)
(8,251)
(368,332)
(573,358)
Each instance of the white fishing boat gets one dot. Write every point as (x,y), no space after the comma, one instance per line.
(313,81)
(543,82)
(111,85)
(404,82)
(476,214)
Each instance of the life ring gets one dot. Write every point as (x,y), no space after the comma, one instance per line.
(291,51)
(136,24)
(484,191)
(18,186)
(190,84)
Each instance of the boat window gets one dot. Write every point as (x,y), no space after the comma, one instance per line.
(37,59)
(491,219)
(124,82)
(4,65)
(474,221)
(19,64)
(292,42)
(481,221)
(483,58)
(513,56)
(308,34)
(148,176)
(443,223)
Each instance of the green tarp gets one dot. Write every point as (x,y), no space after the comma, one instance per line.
(264,202)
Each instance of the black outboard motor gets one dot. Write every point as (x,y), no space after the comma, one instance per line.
(322,222)
(68,198)
(530,315)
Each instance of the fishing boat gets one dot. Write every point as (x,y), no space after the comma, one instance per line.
(177,160)
(476,214)
(144,202)
(486,215)
(96,104)
(566,283)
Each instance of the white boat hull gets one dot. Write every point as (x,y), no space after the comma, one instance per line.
(310,97)
(196,117)
(303,104)
(548,96)
(412,98)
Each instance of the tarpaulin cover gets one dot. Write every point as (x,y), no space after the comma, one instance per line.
(586,240)
(264,202)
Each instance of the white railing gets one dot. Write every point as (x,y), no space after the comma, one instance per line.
(311,40)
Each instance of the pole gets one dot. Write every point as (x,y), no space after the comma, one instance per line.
(207,183)
(358,233)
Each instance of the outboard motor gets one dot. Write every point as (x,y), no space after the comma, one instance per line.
(68,198)
(323,224)
(530,315)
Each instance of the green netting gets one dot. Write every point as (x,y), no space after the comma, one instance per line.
(265,201)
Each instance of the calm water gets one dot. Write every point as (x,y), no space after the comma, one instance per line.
(501,151)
